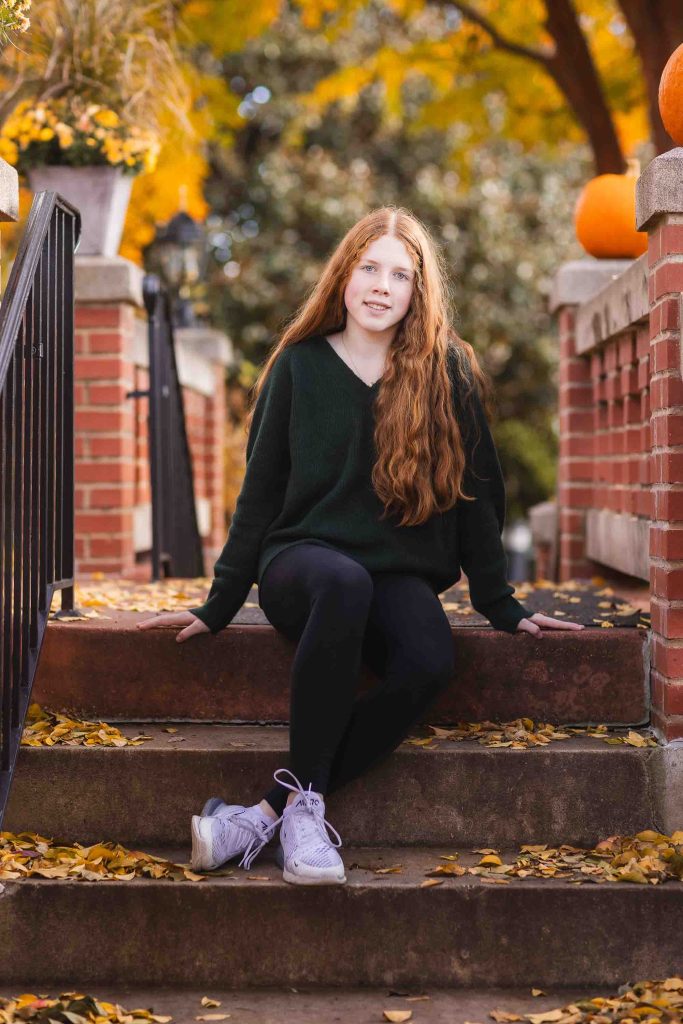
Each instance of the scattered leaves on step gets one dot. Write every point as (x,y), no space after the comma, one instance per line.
(395,869)
(502,1017)
(653,1002)
(213,1016)
(429,882)
(50,728)
(648,858)
(524,733)
(397,1016)
(28,855)
(538,992)
(210,1003)
(72,1007)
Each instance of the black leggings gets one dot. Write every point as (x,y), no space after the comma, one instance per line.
(341,615)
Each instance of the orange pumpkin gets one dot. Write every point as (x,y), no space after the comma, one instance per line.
(605,216)
(671,95)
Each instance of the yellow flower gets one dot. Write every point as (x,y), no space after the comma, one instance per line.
(8,150)
(45,134)
(107,118)
(90,141)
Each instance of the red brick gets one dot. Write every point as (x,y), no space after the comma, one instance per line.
(107,369)
(107,341)
(575,371)
(666,391)
(121,446)
(667,728)
(111,497)
(667,429)
(98,316)
(666,621)
(672,239)
(626,345)
(667,467)
(642,341)
(580,421)
(108,394)
(575,496)
(104,421)
(667,279)
(105,472)
(628,380)
(666,582)
(104,523)
(109,547)
(665,355)
(667,658)
(654,246)
(668,503)
(666,543)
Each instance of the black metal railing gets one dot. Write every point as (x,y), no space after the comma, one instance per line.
(36,454)
(176,541)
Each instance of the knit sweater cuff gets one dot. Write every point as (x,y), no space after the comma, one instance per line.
(505,614)
(218,611)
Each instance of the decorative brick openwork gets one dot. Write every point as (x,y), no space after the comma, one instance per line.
(620,480)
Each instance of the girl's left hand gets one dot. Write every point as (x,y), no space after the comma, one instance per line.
(538,621)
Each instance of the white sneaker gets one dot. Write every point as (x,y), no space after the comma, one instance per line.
(307,854)
(217,839)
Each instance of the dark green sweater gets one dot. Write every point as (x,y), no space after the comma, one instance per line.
(310,454)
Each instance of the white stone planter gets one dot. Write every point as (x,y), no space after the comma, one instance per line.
(101,194)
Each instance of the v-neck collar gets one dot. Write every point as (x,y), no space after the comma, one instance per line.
(366,387)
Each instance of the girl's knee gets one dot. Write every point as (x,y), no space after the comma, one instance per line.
(346,581)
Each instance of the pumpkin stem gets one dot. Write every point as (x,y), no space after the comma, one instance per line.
(633,167)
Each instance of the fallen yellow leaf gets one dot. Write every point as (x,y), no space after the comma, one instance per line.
(397,1016)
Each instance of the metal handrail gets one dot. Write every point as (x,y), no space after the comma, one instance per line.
(176,541)
(36,455)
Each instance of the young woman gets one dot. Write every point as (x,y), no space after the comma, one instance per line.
(371,479)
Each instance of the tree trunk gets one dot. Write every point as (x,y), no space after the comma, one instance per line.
(657,29)
(572,68)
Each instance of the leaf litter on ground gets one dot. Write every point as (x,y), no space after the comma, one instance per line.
(28,855)
(45,728)
(647,858)
(72,1008)
(524,733)
(657,1001)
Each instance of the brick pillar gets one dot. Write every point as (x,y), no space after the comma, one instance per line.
(659,211)
(576,282)
(108,298)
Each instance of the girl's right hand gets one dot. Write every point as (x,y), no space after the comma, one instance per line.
(193,625)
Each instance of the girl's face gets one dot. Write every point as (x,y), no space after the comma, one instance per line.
(383,277)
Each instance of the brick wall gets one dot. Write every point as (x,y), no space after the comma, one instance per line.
(113,497)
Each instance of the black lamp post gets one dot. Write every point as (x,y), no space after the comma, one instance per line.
(178,253)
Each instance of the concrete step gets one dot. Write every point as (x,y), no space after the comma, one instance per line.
(579,790)
(378,930)
(313,1005)
(105,668)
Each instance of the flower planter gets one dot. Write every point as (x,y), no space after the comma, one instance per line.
(101,194)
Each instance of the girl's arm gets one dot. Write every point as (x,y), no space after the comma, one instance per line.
(259,502)
(480,525)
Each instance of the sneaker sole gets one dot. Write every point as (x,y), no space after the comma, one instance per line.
(202,857)
(304,879)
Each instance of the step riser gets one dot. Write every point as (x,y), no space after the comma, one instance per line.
(463,795)
(456,936)
(243,674)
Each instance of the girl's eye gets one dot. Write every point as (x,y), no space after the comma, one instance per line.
(367,266)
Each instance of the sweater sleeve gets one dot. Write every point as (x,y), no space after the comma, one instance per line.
(260,500)
(480,525)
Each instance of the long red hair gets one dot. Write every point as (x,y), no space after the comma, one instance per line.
(420,452)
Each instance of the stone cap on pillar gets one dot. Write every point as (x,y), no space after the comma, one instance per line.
(660,188)
(101,279)
(9,192)
(579,280)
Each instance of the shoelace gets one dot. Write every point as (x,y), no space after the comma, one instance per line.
(258,840)
(321,823)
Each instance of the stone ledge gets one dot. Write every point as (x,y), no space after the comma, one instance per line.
(105,279)
(660,189)
(618,305)
(578,280)
(618,540)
